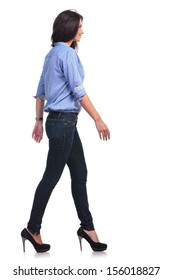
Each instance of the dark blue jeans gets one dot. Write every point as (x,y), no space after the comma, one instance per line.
(65,147)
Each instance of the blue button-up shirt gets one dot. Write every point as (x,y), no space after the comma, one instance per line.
(61,81)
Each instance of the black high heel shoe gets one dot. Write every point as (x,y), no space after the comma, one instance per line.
(96,246)
(40,248)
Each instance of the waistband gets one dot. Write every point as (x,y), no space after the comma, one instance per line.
(59,113)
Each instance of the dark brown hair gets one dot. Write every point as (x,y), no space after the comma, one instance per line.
(65,27)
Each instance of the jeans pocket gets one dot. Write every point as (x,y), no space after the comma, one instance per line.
(55,133)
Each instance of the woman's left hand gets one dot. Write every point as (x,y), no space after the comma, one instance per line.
(37,133)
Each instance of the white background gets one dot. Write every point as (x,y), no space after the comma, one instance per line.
(128,59)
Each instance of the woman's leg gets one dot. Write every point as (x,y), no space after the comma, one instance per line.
(60,130)
(78,171)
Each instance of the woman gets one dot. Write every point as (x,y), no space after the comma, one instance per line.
(61,85)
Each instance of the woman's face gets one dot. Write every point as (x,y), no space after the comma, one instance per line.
(79,33)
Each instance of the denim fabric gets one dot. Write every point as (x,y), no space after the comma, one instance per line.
(65,147)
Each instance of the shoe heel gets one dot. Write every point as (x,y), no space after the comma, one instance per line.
(96,246)
(23,241)
(80,242)
(40,248)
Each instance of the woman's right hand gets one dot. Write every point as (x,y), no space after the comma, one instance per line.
(37,133)
(102,129)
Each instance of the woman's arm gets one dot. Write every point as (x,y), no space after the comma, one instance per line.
(37,133)
(102,128)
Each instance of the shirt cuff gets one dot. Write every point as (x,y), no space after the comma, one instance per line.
(42,97)
(79,92)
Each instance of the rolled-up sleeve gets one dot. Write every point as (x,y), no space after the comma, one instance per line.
(40,89)
(74,74)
